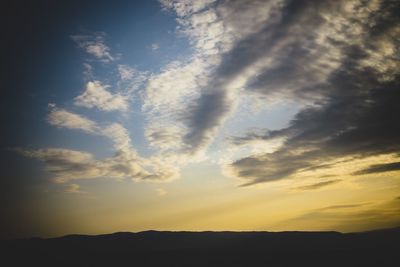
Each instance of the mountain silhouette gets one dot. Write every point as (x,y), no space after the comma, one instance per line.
(154,248)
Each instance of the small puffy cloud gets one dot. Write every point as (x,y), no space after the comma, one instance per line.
(154,47)
(94,45)
(64,119)
(97,96)
(99,50)
(126,72)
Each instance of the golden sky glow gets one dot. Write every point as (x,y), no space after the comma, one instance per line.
(208,201)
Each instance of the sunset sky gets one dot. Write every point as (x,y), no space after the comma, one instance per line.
(200,115)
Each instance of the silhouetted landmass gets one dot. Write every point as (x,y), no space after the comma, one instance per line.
(152,248)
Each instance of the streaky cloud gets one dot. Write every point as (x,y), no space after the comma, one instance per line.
(62,118)
(377,168)
(318,185)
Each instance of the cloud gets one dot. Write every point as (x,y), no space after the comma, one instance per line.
(377,168)
(318,54)
(97,96)
(117,133)
(165,100)
(173,98)
(94,44)
(199,94)
(155,47)
(67,165)
(253,135)
(164,137)
(327,56)
(88,72)
(185,8)
(239,43)
(177,83)
(351,217)
(205,117)
(125,72)
(131,83)
(318,185)
(344,206)
(64,119)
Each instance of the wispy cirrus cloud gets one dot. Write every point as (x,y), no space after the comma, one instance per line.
(94,44)
(377,168)
(318,185)
(126,72)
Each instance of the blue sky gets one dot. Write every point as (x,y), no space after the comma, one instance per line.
(109,75)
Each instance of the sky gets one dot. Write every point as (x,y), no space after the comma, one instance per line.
(199,115)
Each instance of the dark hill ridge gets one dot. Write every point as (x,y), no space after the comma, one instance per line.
(153,248)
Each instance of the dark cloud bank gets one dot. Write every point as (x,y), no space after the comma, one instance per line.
(347,77)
